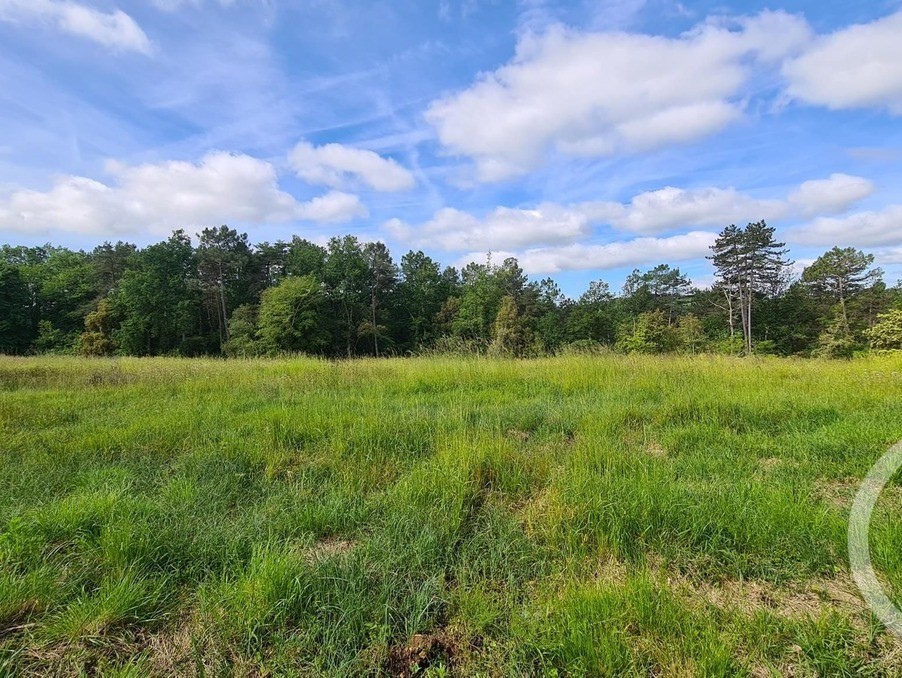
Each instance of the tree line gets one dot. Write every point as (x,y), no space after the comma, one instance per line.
(225,296)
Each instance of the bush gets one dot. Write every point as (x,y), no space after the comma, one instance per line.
(649,334)
(887,333)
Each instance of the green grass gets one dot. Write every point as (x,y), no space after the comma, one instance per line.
(571,516)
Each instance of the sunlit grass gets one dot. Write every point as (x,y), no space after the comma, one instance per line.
(585,515)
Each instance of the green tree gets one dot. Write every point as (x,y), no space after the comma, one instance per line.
(793,320)
(97,339)
(225,273)
(887,333)
(110,263)
(242,341)
(690,333)
(594,316)
(551,309)
(510,336)
(480,299)
(347,280)
(290,317)
(303,257)
(382,278)
(422,291)
(648,333)
(15,323)
(839,275)
(68,292)
(749,262)
(159,299)
(659,288)
(836,341)
(61,286)
(29,262)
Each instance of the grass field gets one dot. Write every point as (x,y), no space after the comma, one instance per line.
(576,515)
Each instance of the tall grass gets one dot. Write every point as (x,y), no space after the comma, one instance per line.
(585,515)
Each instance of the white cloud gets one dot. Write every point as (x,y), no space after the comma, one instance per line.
(451,229)
(669,207)
(335,165)
(334,207)
(859,66)
(830,196)
(863,229)
(580,257)
(651,212)
(608,93)
(222,188)
(115,30)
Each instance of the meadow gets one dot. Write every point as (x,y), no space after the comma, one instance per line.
(577,515)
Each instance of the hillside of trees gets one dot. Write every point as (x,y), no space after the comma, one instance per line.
(225,296)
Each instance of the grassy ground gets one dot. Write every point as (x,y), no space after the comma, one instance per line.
(603,516)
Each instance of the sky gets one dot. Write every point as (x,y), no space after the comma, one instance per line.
(584,137)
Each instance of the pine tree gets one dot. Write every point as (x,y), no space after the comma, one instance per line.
(749,262)
(839,275)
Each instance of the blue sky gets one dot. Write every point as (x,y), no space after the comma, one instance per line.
(585,138)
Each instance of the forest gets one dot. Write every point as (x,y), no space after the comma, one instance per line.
(224,295)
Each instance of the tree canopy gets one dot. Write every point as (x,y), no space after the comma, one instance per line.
(220,294)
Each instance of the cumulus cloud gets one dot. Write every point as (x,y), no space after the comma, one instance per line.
(651,212)
(335,165)
(115,30)
(862,229)
(454,230)
(669,207)
(334,207)
(830,196)
(551,223)
(855,67)
(637,252)
(607,93)
(221,188)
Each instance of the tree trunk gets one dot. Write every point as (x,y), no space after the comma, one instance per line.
(224,321)
(749,325)
(375,331)
(842,305)
(730,312)
(743,315)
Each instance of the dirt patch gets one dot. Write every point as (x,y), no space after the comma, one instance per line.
(544,512)
(655,449)
(812,598)
(841,493)
(109,378)
(768,464)
(330,548)
(522,436)
(172,652)
(324,549)
(421,652)
(610,570)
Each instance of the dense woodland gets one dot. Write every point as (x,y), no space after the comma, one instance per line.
(224,295)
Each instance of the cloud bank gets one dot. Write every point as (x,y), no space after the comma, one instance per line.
(221,188)
(599,94)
